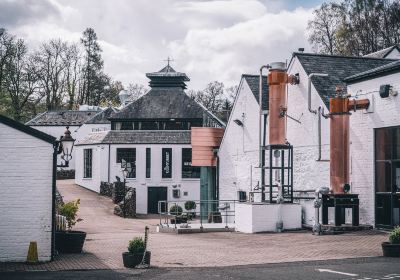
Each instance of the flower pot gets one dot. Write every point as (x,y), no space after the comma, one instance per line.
(70,241)
(131,260)
(390,250)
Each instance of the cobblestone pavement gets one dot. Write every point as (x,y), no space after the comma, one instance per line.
(108,235)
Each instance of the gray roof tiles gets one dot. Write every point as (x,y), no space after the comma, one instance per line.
(254,83)
(338,69)
(102,117)
(381,70)
(137,137)
(61,118)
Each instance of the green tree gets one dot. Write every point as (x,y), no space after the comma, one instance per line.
(94,79)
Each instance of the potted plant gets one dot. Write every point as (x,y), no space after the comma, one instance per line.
(392,248)
(136,250)
(70,241)
(176,210)
(190,205)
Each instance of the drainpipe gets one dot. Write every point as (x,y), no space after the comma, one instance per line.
(109,152)
(53,198)
(309,89)
(320,114)
(260,159)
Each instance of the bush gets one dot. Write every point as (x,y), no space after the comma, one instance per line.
(190,205)
(175,210)
(394,236)
(70,210)
(136,245)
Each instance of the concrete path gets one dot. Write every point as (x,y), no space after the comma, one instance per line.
(108,236)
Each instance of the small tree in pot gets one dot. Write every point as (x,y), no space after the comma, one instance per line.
(189,206)
(392,248)
(70,241)
(136,251)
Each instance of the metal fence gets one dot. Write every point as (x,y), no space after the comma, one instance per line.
(201,212)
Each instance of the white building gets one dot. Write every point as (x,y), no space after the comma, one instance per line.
(239,149)
(27,189)
(88,119)
(153,134)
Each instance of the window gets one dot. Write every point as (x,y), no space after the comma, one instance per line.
(167,163)
(148,163)
(87,163)
(129,156)
(189,171)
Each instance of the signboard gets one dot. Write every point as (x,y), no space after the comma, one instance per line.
(167,162)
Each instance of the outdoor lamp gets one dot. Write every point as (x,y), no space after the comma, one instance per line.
(65,146)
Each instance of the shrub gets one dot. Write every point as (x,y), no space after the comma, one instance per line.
(190,205)
(175,210)
(394,236)
(136,245)
(70,210)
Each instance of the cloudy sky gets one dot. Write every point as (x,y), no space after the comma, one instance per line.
(209,40)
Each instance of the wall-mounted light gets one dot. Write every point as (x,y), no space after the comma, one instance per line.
(238,122)
(386,90)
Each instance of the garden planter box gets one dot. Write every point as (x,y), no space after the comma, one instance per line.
(70,241)
(390,250)
(132,260)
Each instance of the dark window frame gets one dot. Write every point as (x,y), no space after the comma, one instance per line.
(189,171)
(129,155)
(87,163)
(148,163)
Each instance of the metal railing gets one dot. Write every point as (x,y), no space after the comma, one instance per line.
(199,212)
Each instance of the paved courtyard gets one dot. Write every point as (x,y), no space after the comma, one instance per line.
(108,236)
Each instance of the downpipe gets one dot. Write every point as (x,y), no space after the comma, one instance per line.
(320,115)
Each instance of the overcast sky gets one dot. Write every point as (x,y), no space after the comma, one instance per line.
(209,40)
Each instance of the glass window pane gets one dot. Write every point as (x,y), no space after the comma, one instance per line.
(383,177)
(129,156)
(148,163)
(189,171)
(383,144)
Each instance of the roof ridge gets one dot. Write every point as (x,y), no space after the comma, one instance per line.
(343,56)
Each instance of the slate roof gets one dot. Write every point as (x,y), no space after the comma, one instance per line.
(61,118)
(162,103)
(393,67)
(167,77)
(102,117)
(337,67)
(26,129)
(137,137)
(382,53)
(254,83)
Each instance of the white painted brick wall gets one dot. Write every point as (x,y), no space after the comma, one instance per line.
(386,113)
(25,194)
(100,172)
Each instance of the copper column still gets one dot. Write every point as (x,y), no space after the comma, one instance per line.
(277,81)
(340,107)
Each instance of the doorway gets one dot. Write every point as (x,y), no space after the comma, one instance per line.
(154,195)
(387,177)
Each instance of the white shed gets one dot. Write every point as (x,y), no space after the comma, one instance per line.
(27,188)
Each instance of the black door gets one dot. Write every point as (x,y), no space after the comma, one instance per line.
(387,177)
(154,195)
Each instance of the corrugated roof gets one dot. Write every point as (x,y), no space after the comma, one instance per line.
(137,137)
(393,67)
(62,118)
(382,53)
(338,69)
(162,103)
(254,83)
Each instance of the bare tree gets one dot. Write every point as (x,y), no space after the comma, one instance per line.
(136,91)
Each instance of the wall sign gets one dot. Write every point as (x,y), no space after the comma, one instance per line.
(167,162)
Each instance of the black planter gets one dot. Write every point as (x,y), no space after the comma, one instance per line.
(132,260)
(391,250)
(70,241)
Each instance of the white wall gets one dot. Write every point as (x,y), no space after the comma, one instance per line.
(100,173)
(386,113)
(238,152)
(57,131)
(25,194)
(85,129)
(394,54)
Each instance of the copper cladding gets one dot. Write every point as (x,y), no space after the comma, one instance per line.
(339,144)
(277,80)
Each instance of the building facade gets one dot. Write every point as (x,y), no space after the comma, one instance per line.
(153,135)
(27,185)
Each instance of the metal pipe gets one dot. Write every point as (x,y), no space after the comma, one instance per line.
(320,113)
(309,89)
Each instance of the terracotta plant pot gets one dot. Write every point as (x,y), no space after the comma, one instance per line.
(70,241)
(132,260)
(391,250)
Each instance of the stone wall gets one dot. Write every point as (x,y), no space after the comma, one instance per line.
(118,192)
(130,205)
(65,174)
(106,189)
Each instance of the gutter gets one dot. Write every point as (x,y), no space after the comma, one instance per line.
(53,204)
